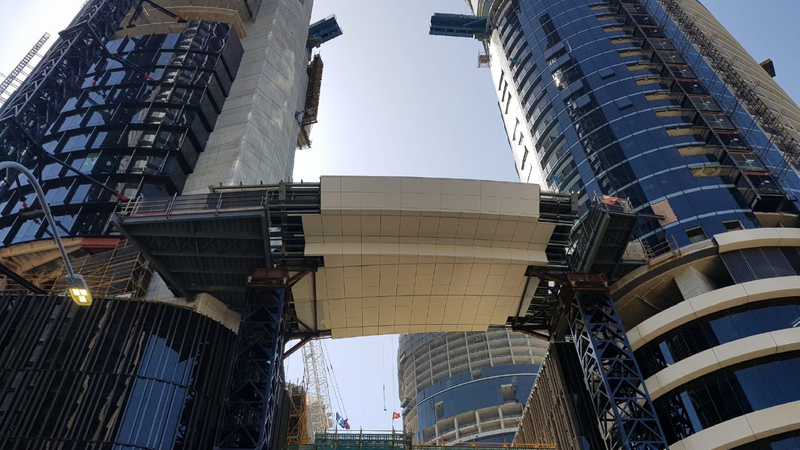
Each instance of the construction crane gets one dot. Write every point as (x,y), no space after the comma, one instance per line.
(14,79)
(318,371)
(318,403)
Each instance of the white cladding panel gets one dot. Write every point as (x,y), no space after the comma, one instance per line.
(406,255)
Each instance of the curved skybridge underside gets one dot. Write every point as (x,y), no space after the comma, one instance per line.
(373,255)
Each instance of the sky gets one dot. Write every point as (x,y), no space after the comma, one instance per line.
(396,101)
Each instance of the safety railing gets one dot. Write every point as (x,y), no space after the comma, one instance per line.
(377,440)
(662,252)
(194,204)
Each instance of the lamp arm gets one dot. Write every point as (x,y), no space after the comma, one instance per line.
(45,207)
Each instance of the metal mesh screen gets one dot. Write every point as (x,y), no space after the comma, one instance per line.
(761,263)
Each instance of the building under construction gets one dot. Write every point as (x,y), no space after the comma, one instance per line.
(682,151)
(152,123)
(142,99)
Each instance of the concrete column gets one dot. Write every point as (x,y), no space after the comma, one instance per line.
(693,283)
(256,134)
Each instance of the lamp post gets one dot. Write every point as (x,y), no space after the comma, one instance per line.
(76,285)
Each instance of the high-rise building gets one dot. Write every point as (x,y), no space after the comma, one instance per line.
(180,99)
(141,100)
(466,387)
(598,109)
(653,105)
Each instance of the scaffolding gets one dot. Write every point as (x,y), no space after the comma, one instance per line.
(747,95)
(394,440)
(116,270)
(298,418)
(309,114)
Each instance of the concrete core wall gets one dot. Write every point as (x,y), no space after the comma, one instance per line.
(256,134)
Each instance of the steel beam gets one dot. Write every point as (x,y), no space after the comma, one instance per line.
(5,270)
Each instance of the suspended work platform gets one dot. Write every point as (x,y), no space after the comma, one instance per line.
(458,25)
(323,31)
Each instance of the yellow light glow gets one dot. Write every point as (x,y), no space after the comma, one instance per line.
(80,296)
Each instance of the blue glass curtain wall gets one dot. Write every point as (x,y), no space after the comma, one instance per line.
(717,329)
(729,393)
(462,393)
(601,109)
(139,131)
(785,441)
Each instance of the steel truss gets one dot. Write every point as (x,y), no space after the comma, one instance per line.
(26,116)
(625,413)
(247,420)
(576,302)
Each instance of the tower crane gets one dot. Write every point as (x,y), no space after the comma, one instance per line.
(318,399)
(318,369)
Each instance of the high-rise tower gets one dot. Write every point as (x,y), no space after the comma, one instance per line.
(466,387)
(182,96)
(598,107)
(143,100)
(653,102)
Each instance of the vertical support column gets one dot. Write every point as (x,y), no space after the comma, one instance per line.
(247,419)
(625,413)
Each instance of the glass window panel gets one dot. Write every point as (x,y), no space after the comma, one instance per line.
(89,162)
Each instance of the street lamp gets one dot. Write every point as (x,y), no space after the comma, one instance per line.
(76,285)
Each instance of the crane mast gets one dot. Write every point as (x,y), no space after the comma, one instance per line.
(318,393)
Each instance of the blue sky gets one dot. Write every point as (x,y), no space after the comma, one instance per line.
(396,101)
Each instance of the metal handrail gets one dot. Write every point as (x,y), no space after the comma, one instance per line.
(193,204)
(659,250)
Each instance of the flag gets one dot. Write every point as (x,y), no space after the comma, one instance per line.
(395,416)
(342,422)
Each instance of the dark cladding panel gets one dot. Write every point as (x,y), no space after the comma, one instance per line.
(759,263)
(121,373)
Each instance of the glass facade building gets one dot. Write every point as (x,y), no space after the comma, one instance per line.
(163,109)
(466,387)
(137,128)
(628,99)
(610,98)
(729,393)
(119,375)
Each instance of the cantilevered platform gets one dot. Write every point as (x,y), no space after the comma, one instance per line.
(212,242)
(383,255)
